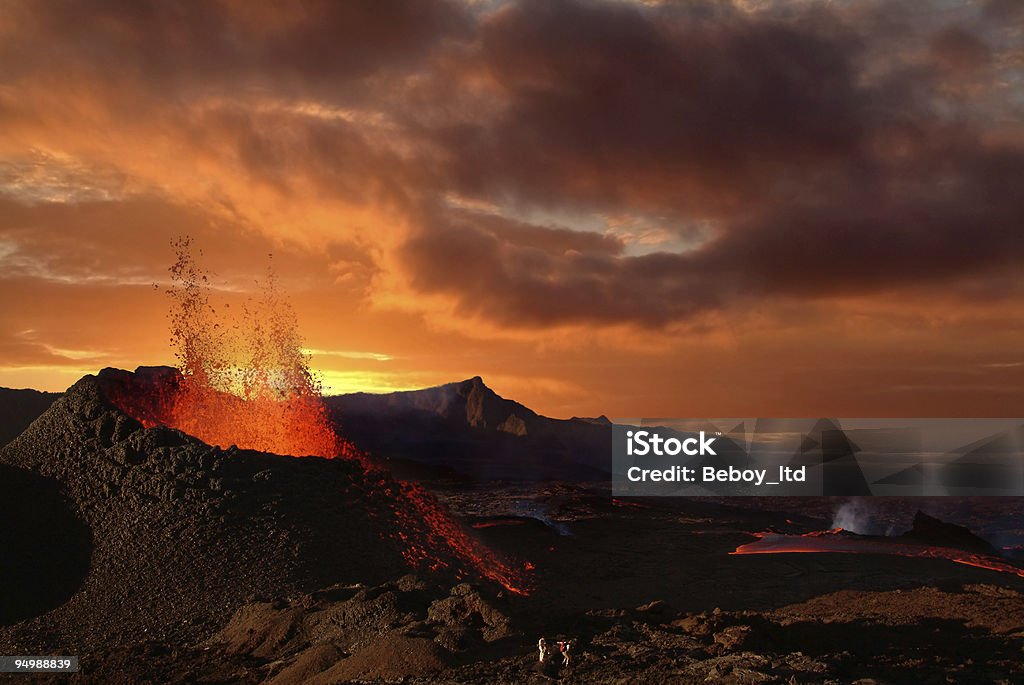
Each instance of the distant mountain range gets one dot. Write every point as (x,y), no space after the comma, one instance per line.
(461,430)
(469,431)
(466,432)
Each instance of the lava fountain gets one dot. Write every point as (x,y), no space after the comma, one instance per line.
(248,383)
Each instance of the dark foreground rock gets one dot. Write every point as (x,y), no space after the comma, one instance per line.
(397,630)
(149,533)
(409,632)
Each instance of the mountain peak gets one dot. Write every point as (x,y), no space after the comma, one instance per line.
(487,409)
(601,420)
(474,383)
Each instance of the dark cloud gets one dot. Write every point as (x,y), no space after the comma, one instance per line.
(1004,10)
(935,225)
(531,276)
(953,223)
(818,150)
(959,49)
(821,172)
(229,43)
(612,105)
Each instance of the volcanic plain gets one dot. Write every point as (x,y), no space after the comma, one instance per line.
(157,558)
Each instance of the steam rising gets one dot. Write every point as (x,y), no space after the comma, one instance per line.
(854,517)
(861,516)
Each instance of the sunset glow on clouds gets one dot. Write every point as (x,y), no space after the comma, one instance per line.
(661,208)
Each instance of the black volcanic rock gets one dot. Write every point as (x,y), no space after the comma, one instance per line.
(19,408)
(357,633)
(181,533)
(932,531)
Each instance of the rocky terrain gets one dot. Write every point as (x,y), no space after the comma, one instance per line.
(159,559)
(407,632)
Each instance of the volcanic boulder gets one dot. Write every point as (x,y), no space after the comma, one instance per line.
(932,531)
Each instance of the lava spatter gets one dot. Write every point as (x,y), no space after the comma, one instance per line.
(248,383)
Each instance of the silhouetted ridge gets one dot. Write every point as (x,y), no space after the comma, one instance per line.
(19,408)
(932,531)
(468,429)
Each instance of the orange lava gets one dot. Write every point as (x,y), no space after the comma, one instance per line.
(251,386)
(296,425)
(837,541)
(624,503)
(495,524)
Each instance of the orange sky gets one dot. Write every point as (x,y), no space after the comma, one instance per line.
(635,209)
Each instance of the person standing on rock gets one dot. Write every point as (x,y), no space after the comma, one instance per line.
(545,665)
(566,648)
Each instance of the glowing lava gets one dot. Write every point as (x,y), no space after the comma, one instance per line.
(838,541)
(249,385)
(500,522)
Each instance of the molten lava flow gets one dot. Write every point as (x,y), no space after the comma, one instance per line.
(250,385)
(436,527)
(499,522)
(840,542)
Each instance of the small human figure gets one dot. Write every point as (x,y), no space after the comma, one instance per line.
(545,665)
(566,648)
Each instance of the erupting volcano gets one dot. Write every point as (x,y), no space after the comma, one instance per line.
(929,539)
(248,383)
